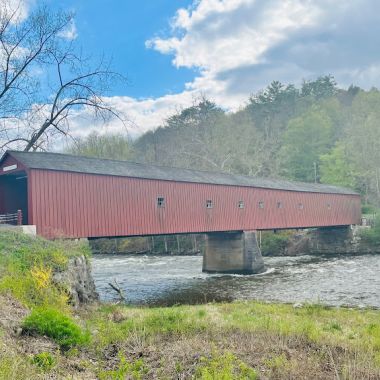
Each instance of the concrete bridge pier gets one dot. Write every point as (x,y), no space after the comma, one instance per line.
(232,252)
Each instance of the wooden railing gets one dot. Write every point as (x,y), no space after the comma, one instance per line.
(15,219)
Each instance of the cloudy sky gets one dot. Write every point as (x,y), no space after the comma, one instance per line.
(172,51)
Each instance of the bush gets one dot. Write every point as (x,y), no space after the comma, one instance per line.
(274,243)
(57,326)
(372,235)
(368,209)
(34,287)
(45,361)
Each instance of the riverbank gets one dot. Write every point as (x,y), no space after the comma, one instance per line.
(43,336)
(230,341)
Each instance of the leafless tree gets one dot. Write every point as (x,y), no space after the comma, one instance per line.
(44,78)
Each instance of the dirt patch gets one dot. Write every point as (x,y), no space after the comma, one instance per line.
(11,313)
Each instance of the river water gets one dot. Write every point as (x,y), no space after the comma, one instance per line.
(168,280)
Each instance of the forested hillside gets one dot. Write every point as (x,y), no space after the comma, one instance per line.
(318,132)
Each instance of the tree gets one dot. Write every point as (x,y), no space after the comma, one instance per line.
(337,168)
(191,138)
(270,111)
(112,146)
(322,87)
(35,108)
(306,139)
(363,143)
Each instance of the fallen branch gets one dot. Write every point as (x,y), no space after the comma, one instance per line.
(116,287)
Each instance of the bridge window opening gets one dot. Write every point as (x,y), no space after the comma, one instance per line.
(209,204)
(241,204)
(160,202)
(279,205)
(300,206)
(261,204)
(329,206)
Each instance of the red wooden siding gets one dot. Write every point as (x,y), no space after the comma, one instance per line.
(86,205)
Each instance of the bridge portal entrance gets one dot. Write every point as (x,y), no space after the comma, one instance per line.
(14,195)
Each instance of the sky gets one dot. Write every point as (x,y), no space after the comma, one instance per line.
(174,51)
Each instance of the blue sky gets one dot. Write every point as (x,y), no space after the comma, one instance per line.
(174,51)
(119,29)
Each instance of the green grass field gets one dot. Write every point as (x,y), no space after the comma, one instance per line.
(41,336)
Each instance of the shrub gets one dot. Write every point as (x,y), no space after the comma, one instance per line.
(368,209)
(44,360)
(372,235)
(57,326)
(32,289)
(274,243)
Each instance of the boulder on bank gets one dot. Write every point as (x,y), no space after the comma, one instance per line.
(78,281)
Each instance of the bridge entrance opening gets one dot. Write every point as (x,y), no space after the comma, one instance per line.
(14,195)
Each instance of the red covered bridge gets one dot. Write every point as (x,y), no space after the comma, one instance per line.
(75,197)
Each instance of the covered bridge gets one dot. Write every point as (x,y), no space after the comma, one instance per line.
(75,197)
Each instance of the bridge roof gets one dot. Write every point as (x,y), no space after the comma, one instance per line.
(87,165)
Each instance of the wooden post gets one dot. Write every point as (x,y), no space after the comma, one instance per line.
(178,245)
(19,217)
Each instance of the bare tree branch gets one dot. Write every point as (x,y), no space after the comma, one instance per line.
(35,43)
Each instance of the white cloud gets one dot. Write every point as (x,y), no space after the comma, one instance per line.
(240,46)
(21,8)
(70,33)
(140,115)
(221,35)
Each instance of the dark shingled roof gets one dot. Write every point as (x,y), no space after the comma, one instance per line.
(78,164)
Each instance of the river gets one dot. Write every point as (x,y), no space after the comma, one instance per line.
(167,280)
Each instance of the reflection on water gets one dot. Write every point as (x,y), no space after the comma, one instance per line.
(168,280)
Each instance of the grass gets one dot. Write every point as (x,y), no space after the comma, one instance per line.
(24,252)
(239,340)
(348,328)
(224,367)
(242,340)
(44,360)
(27,265)
(249,337)
(55,325)
(14,367)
